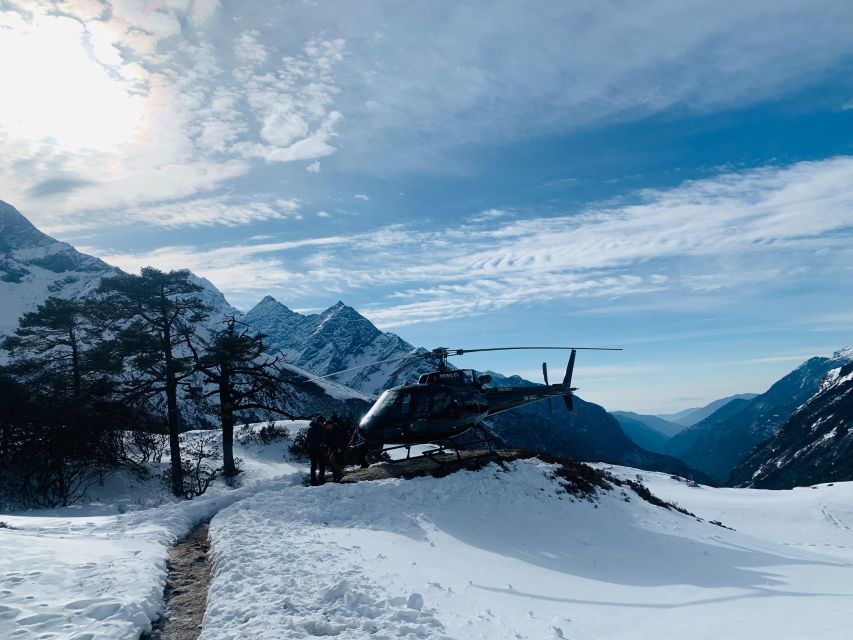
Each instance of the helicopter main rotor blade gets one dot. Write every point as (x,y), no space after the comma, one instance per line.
(459,352)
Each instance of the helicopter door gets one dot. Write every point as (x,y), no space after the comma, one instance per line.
(420,408)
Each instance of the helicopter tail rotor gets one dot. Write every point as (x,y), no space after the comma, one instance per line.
(567,382)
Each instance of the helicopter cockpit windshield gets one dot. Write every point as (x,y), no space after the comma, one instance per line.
(393,403)
(397,404)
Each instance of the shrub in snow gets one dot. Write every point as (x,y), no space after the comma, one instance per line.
(299,447)
(199,457)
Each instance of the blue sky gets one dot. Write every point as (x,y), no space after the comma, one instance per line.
(675,180)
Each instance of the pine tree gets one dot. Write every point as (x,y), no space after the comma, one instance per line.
(48,347)
(158,314)
(60,415)
(242,376)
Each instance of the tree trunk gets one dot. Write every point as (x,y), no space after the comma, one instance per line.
(172,412)
(75,367)
(226,408)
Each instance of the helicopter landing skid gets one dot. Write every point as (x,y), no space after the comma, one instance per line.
(382,455)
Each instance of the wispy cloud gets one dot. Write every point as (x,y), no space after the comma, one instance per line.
(106,110)
(733,232)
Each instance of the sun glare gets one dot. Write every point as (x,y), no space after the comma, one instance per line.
(54,91)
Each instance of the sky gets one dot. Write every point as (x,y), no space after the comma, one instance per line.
(672,178)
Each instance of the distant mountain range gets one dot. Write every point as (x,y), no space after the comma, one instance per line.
(650,432)
(689,417)
(588,433)
(34,266)
(717,444)
(814,445)
(339,338)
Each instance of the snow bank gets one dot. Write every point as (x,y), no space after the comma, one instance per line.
(505,554)
(64,575)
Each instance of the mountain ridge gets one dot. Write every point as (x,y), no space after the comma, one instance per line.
(814,445)
(717,444)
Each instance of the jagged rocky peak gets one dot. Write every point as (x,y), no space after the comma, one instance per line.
(270,306)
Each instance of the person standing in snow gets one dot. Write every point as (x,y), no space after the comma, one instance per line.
(317,449)
(337,438)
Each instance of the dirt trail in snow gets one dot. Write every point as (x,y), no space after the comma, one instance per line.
(186,588)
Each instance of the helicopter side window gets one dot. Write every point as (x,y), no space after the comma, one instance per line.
(421,405)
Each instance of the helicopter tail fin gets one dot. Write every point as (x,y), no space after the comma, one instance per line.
(567,382)
(545,375)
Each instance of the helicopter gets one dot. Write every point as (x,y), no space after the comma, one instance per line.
(448,402)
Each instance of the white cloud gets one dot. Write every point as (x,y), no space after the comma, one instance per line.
(475,73)
(249,50)
(323,214)
(737,232)
(314,167)
(292,102)
(361,196)
(146,117)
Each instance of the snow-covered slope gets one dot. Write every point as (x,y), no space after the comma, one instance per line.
(501,553)
(34,266)
(337,339)
(505,553)
(814,445)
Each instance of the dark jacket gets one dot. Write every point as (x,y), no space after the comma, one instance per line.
(315,436)
(339,437)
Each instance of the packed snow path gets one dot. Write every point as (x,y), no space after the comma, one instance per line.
(506,554)
(90,572)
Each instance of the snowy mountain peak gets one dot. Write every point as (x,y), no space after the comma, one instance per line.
(270,306)
(340,309)
(338,338)
(845,353)
(16,232)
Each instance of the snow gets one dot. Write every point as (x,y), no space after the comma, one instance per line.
(505,554)
(87,571)
(499,553)
(796,518)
